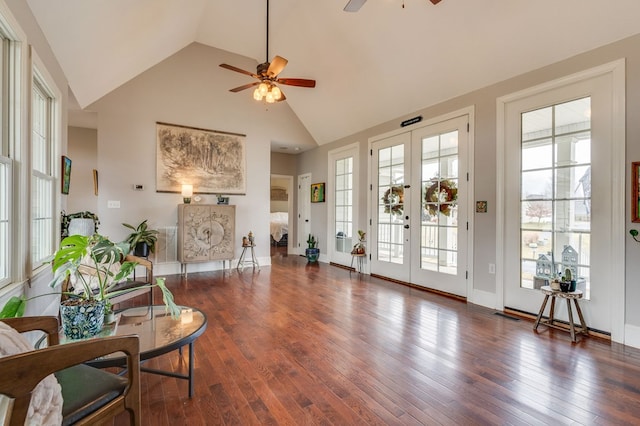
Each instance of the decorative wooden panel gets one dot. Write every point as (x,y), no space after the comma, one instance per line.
(206,232)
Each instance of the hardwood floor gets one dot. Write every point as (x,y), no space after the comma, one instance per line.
(298,344)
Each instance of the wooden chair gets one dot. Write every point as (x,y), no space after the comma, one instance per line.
(91,396)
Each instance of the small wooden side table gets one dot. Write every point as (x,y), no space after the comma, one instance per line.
(568,296)
(359,258)
(242,262)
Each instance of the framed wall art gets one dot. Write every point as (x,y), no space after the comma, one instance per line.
(317,192)
(213,162)
(66,174)
(635,194)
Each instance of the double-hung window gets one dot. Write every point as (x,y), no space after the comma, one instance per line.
(43,172)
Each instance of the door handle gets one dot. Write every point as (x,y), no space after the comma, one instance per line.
(406,227)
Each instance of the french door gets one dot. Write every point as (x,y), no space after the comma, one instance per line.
(560,153)
(419,220)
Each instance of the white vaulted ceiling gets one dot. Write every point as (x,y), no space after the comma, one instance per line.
(372,66)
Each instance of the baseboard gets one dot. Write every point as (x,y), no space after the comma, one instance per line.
(632,335)
(483,298)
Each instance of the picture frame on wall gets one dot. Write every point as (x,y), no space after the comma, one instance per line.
(66,174)
(635,194)
(213,162)
(317,192)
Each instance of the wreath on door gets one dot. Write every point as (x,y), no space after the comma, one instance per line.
(393,200)
(441,196)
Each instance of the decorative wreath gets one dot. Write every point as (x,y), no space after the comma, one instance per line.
(394,200)
(441,196)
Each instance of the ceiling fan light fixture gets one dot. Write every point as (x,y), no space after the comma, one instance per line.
(276,92)
(256,95)
(270,98)
(263,88)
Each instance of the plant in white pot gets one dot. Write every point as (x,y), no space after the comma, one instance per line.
(94,265)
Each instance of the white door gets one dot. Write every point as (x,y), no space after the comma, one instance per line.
(304,211)
(559,150)
(342,196)
(391,202)
(419,215)
(439,248)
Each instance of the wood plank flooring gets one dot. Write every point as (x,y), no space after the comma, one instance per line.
(298,344)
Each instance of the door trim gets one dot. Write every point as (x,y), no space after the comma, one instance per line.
(300,237)
(616,70)
(472,296)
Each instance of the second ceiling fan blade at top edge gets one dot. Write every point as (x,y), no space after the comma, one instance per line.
(276,66)
(300,82)
(236,69)
(246,86)
(354,5)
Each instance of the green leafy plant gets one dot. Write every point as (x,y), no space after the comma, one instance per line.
(141,234)
(311,241)
(97,265)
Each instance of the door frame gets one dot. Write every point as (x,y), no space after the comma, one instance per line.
(470,112)
(616,69)
(332,156)
(300,229)
(289,180)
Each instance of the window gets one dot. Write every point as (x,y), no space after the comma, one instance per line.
(6,169)
(43,178)
(555,225)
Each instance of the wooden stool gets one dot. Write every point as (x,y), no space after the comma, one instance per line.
(568,296)
(242,262)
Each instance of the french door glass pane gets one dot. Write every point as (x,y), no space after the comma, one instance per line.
(439,232)
(344,204)
(5,198)
(391,204)
(556,193)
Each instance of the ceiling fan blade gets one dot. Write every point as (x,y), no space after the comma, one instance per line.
(282,97)
(276,66)
(300,82)
(236,69)
(246,86)
(355,5)
(435,1)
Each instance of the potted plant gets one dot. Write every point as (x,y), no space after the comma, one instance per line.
(359,247)
(142,240)
(312,252)
(94,265)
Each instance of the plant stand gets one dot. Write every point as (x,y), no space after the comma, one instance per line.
(359,258)
(242,262)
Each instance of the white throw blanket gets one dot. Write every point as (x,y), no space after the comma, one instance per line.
(46,400)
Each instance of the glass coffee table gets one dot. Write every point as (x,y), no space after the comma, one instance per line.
(158,333)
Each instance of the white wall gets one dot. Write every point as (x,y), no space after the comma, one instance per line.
(83,152)
(187,89)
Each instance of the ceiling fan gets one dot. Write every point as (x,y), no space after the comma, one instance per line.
(267,76)
(355,5)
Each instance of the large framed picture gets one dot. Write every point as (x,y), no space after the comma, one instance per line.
(213,162)
(66,174)
(317,192)
(635,194)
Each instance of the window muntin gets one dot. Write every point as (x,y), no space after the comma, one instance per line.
(344,204)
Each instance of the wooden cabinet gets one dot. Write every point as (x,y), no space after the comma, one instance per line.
(206,232)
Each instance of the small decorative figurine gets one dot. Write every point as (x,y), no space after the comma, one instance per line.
(251,237)
(245,241)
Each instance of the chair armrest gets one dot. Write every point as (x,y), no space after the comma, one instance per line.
(48,325)
(146,263)
(19,374)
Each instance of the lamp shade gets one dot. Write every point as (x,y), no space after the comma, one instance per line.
(187,190)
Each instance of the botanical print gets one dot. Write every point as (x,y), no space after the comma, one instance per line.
(213,162)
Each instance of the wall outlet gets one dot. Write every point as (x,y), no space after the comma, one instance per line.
(492,268)
(138,187)
(111,204)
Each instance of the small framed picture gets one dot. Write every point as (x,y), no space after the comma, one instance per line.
(481,206)
(66,174)
(317,192)
(635,194)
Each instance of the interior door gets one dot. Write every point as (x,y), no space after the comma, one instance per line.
(304,211)
(391,220)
